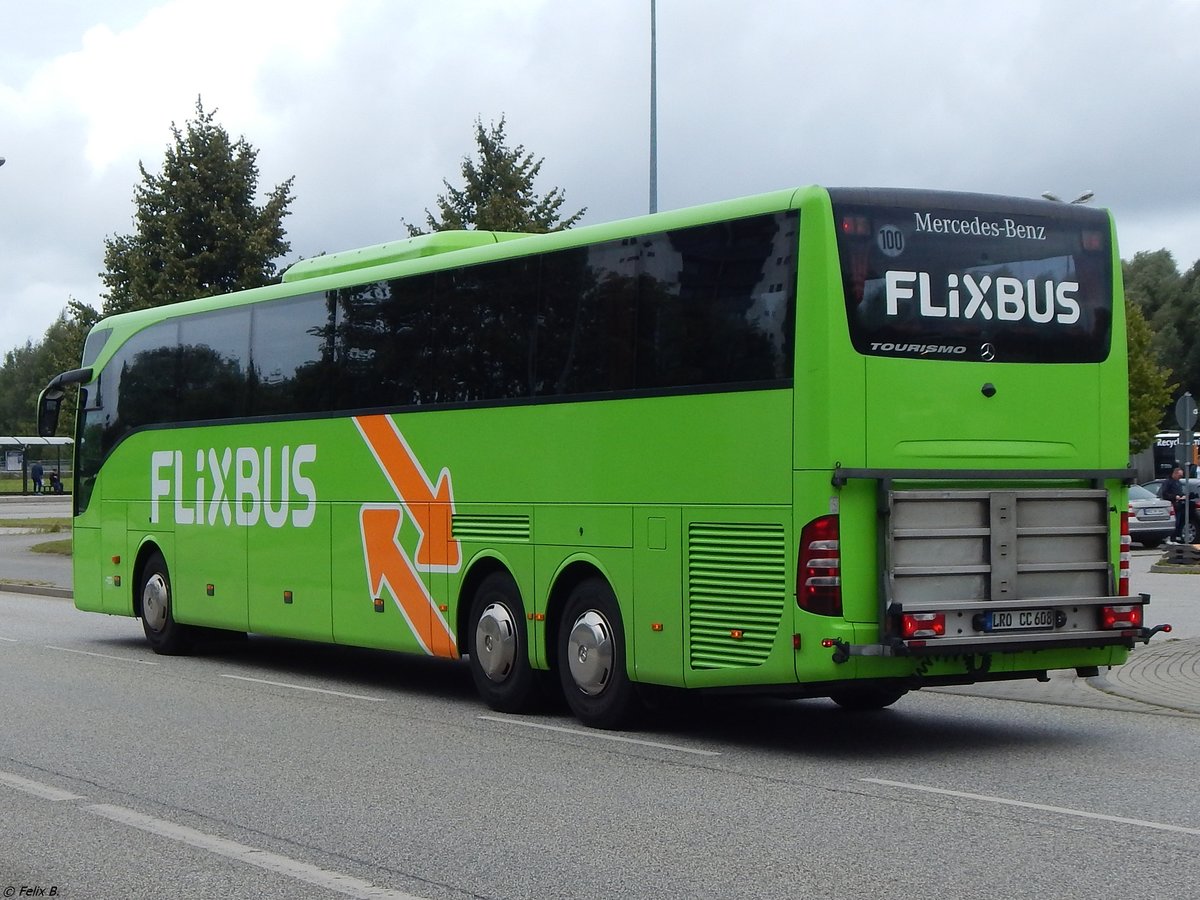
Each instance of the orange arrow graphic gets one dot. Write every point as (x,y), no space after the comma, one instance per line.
(388,565)
(431,508)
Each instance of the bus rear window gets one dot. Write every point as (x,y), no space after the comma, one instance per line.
(1002,281)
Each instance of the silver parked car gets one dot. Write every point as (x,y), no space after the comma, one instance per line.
(1151,520)
(1192,485)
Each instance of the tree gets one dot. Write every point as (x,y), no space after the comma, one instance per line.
(198,230)
(1188,329)
(1171,305)
(21,379)
(28,369)
(498,194)
(1150,387)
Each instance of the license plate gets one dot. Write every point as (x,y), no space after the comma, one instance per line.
(1019,620)
(1153,514)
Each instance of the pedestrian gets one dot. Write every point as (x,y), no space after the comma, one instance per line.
(1174,491)
(35,472)
(56,482)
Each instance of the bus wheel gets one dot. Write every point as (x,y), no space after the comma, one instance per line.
(591,657)
(497,645)
(867,698)
(163,633)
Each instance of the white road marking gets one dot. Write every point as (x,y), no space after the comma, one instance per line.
(130,659)
(338,882)
(323,878)
(602,736)
(10,640)
(1042,807)
(36,788)
(302,687)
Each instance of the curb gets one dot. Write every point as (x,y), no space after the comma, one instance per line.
(40,590)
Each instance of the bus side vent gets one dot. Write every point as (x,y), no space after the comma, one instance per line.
(737,586)
(508,529)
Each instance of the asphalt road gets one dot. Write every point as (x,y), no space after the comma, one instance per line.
(274,768)
(280,769)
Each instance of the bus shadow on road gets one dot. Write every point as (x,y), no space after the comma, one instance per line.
(918,725)
(341,668)
(818,728)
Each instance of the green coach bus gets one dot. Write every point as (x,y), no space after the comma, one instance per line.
(822,442)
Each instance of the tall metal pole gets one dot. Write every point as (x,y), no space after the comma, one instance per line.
(653,109)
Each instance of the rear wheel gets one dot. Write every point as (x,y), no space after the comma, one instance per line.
(591,657)
(867,698)
(497,645)
(163,633)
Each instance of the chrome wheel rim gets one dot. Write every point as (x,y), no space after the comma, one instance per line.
(590,652)
(155,601)
(496,641)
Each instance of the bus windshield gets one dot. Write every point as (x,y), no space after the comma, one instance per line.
(1012,281)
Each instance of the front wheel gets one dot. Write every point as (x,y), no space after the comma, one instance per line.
(163,633)
(591,657)
(497,645)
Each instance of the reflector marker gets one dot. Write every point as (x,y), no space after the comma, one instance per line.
(1123,565)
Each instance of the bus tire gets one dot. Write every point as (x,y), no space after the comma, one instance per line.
(591,657)
(498,645)
(163,633)
(867,697)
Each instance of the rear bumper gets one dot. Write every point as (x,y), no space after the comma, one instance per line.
(969,631)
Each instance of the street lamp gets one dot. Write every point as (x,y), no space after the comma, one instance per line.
(653,109)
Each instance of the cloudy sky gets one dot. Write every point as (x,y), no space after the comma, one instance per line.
(371,103)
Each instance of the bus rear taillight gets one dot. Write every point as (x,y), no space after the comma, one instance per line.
(818,572)
(1123,565)
(922,625)
(1119,617)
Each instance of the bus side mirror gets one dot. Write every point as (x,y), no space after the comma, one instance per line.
(50,400)
(48,407)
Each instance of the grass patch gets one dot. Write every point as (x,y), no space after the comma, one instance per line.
(56,548)
(13,486)
(47,526)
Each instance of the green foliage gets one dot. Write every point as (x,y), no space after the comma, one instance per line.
(1152,280)
(22,377)
(1171,305)
(198,230)
(26,370)
(1150,388)
(498,193)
